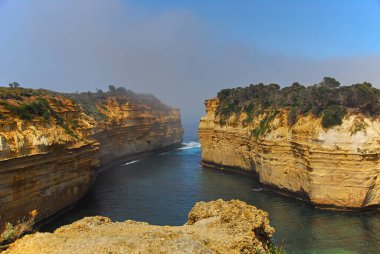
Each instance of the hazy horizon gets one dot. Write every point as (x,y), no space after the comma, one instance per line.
(185,52)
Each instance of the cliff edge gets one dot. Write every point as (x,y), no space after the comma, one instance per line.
(213,227)
(319,143)
(52,143)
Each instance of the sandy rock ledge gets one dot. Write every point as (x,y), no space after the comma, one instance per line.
(212,227)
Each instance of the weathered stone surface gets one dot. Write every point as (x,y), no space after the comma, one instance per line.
(335,167)
(213,227)
(45,168)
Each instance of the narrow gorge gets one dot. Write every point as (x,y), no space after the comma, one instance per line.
(320,143)
(52,144)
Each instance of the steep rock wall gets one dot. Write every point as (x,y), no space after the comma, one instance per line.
(45,182)
(137,129)
(49,164)
(336,167)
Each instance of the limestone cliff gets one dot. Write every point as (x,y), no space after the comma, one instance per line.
(332,167)
(51,144)
(213,227)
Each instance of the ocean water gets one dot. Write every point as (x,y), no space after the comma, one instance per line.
(161,189)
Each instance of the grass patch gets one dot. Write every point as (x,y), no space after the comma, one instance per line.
(358,126)
(12,232)
(38,108)
(265,124)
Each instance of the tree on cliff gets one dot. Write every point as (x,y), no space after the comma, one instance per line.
(330,82)
(111,88)
(14,85)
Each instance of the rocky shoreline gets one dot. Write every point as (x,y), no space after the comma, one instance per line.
(212,227)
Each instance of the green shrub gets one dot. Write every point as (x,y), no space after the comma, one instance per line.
(264,125)
(292,116)
(40,108)
(330,82)
(333,115)
(250,110)
(272,249)
(300,100)
(358,126)
(14,231)
(91,101)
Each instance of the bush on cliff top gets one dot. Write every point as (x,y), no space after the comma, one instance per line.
(333,115)
(18,93)
(40,108)
(327,99)
(90,101)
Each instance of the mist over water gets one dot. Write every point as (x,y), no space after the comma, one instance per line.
(161,189)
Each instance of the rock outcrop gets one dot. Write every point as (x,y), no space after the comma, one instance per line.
(51,144)
(213,227)
(336,167)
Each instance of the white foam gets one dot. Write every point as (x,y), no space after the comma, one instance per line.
(130,162)
(189,145)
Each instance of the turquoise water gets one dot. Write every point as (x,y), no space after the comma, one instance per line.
(161,189)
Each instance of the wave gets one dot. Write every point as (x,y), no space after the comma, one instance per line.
(130,162)
(258,189)
(189,145)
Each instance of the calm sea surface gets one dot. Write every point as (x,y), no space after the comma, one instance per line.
(161,189)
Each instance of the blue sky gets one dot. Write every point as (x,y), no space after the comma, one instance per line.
(322,28)
(186,51)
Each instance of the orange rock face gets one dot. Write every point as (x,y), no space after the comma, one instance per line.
(336,167)
(49,161)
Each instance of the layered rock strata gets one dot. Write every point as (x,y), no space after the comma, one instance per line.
(138,129)
(336,167)
(213,227)
(50,146)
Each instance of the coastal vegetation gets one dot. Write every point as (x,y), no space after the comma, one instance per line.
(14,231)
(39,107)
(328,100)
(91,102)
(26,111)
(285,136)
(29,104)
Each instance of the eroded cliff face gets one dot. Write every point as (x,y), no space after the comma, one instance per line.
(136,128)
(50,146)
(213,227)
(334,167)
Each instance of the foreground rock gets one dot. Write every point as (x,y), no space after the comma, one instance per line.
(213,227)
